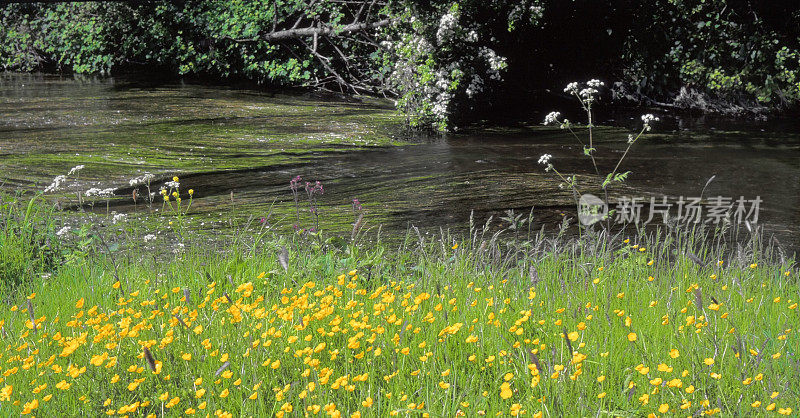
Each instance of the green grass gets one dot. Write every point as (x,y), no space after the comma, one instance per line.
(28,242)
(425,328)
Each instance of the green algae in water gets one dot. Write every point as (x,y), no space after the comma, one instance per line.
(119,131)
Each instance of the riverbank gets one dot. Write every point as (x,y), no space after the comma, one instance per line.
(504,322)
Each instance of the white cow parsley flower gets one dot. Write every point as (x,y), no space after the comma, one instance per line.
(588,93)
(94,191)
(145,179)
(647,120)
(56,184)
(595,83)
(571,88)
(552,118)
(75,169)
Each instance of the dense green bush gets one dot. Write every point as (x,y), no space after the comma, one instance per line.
(741,51)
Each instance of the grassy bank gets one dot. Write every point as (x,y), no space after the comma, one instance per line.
(491,324)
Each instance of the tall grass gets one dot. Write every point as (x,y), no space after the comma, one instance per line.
(28,243)
(668,322)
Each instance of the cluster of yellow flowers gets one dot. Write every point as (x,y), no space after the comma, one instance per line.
(346,346)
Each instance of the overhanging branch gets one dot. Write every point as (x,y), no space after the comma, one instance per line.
(318,30)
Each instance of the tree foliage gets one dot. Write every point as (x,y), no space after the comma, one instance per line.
(741,51)
(444,62)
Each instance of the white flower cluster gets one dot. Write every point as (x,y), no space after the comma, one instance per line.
(442,80)
(63,231)
(518,12)
(595,83)
(439,94)
(588,92)
(118,217)
(421,45)
(475,86)
(75,169)
(536,12)
(572,88)
(56,184)
(94,191)
(496,62)
(440,108)
(149,237)
(427,92)
(647,120)
(447,27)
(172,184)
(552,118)
(178,248)
(145,179)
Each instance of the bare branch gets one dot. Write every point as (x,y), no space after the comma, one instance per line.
(274,15)
(341,81)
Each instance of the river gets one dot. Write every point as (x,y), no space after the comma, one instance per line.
(238,148)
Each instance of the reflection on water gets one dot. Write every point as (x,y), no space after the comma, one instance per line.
(249,143)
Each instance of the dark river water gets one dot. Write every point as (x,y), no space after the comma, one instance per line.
(239,148)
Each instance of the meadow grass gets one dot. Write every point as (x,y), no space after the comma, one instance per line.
(28,241)
(653,325)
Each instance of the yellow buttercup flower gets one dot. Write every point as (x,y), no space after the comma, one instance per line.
(505,390)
